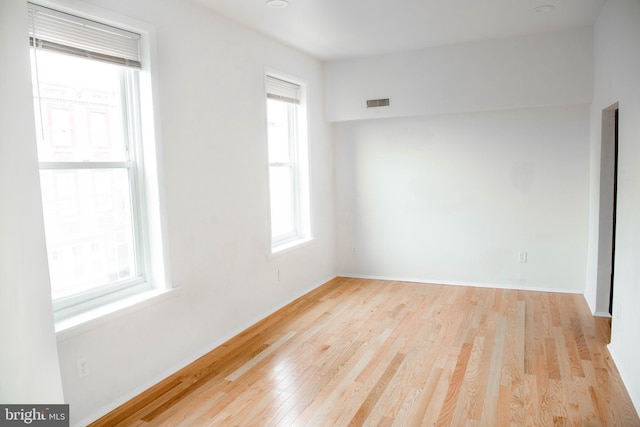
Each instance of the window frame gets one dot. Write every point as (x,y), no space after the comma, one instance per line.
(298,163)
(145,193)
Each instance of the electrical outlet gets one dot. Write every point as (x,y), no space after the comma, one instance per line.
(83,368)
(522,257)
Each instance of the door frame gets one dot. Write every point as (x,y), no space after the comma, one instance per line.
(607,208)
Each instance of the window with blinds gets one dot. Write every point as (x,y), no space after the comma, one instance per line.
(288,170)
(87,103)
(282,90)
(64,33)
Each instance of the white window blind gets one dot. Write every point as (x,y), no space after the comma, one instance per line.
(70,34)
(282,90)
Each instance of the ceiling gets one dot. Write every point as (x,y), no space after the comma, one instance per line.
(335,29)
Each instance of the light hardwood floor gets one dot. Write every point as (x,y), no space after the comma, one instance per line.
(368,352)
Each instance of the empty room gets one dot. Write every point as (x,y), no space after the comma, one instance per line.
(305,212)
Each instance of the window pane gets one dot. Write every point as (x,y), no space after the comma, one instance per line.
(89,231)
(99,129)
(282,211)
(278,131)
(80,108)
(60,126)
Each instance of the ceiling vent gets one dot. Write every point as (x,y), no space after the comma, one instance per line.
(382,102)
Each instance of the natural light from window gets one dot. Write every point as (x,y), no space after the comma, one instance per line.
(86,189)
(288,170)
(100,205)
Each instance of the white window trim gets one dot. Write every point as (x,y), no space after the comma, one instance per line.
(154,238)
(304,227)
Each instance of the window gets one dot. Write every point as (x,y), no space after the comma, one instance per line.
(288,170)
(86,87)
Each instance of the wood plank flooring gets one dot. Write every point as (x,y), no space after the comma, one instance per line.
(367,352)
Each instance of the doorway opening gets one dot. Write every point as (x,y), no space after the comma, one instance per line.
(615,210)
(607,209)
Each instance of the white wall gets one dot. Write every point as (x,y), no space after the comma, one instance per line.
(617,79)
(520,72)
(455,198)
(482,155)
(29,371)
(213,133)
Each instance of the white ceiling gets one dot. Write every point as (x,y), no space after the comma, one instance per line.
(333,29)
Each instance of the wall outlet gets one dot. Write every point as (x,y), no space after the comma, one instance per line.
(522,257)
(83,368)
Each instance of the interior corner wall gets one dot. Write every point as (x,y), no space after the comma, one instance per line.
(29,369)
(482,155)
(454,199)
(617,79)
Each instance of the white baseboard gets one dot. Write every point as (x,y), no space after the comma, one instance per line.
(517,287)
(622,371)
(602,314)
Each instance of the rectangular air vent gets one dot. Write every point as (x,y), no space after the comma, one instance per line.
(382,102)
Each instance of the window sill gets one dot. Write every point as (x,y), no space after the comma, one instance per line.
(286,247)
(83,322)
